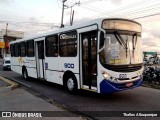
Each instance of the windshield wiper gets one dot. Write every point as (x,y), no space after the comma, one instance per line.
(121,41)
(134,42)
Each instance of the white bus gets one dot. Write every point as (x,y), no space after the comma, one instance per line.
(102,55)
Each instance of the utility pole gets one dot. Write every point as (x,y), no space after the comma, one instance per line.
(72,12)
(71,19)
(62,13)
(6,28)
(5,40)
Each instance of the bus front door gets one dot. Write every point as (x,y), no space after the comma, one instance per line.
(89,60)
(40,59)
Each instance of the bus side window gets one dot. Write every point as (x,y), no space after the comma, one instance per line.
(16,50)
(23,49)
(12,50)
(52,46)
(30,48)
(68,44)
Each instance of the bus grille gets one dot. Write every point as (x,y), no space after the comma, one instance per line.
(123,68)
(127,68)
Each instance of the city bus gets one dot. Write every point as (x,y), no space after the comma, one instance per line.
(101,55)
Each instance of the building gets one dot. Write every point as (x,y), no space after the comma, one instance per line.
(6,36)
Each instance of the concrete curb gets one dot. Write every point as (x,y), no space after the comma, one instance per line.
(12,85)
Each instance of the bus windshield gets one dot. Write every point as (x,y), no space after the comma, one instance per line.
(121,49)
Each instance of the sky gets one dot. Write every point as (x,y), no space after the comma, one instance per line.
(37,16)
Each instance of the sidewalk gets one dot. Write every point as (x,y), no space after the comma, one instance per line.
(15,99)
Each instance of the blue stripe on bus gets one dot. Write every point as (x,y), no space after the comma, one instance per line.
(107,87)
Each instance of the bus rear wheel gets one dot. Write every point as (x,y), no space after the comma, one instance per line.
(71,84)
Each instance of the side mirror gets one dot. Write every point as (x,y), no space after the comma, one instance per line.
(102,39)
(107,38)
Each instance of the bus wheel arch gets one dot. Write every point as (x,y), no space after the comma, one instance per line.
(24,72)
(70,82)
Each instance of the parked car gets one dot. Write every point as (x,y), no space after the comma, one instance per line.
(6,63)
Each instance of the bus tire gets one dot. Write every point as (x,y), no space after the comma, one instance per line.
(71,84)
(25,74)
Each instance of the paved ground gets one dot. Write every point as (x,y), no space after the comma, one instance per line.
(13,98)
(139,99)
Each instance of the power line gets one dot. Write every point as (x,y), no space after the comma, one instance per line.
(58,4)
(135,8)
(111,12)
(146,16)
(150,10)
(136,11)
(92,9)
(88,2)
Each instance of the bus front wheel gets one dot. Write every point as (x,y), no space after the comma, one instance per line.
(25,74)
(71,84)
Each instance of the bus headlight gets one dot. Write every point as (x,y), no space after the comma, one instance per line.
(108,77)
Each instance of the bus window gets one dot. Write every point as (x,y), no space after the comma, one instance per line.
(30,48)
(16,50)
(12,50)
(22,49)
(52,46)
(68,44)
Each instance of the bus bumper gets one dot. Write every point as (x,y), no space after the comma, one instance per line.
(107,87)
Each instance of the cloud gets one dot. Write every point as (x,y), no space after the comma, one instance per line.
(150,39)
(32,19)
(150,33)
(116,2)
(6,1)
(155,33)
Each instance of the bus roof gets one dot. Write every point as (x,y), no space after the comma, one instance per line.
(97,21)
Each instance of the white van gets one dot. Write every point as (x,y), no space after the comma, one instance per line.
(6,63)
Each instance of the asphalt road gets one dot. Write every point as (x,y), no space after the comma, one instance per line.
(138,99)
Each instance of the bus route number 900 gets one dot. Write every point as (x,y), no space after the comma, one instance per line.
(68,65)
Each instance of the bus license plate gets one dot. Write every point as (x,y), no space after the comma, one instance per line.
(129,84)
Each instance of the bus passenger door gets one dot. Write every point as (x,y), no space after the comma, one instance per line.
(40,59)
(89,60)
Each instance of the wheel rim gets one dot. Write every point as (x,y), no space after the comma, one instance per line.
(70,84)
